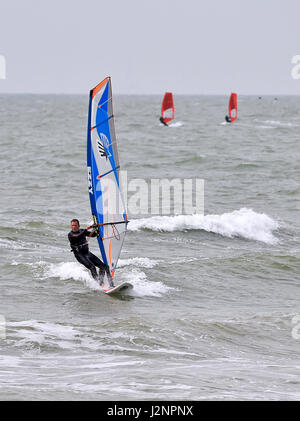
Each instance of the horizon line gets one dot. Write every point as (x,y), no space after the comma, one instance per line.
(150,94)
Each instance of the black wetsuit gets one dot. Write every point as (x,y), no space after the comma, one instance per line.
(81,251)
(161,119)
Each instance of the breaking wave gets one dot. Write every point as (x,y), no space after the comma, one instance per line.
(244,223)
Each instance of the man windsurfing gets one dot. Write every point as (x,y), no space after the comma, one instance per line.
(162,120)
(78,238)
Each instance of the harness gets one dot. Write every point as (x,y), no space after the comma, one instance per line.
(78,248)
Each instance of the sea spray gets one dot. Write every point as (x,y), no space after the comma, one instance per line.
(143,286)
(67,270)
(138,262)
(244,223)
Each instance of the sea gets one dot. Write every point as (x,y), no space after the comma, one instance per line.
(214,313)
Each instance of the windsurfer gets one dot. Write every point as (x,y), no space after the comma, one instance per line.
(162,120)
(228,119)
(78,238)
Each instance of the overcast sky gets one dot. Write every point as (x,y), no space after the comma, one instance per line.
(150,46)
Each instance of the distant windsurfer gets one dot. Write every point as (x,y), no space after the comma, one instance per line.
(162,120)
(78,238)
(228,119)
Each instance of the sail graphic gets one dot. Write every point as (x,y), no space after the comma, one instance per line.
(232,107)
(167,107)
(106,199)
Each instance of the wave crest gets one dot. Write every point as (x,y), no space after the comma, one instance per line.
(243,223)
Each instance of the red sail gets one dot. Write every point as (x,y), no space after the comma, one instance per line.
(233,110)
(167,107)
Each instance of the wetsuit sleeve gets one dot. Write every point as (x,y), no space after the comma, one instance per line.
(90,233)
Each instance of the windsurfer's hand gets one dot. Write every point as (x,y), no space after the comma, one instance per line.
(94,226)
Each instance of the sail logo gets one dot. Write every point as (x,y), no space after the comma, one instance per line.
(295,72)
(90,183)
(103,148)
(2,67)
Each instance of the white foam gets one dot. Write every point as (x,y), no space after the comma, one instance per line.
(15,245)
(275,123)
(33,332)
(176,124)
(143,287)
(21,245)
(73,270)
(67,270)
(243,223)
(138,262)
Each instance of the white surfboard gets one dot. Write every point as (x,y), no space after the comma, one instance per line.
(119,288)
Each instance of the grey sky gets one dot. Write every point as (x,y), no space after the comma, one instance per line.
(148,47)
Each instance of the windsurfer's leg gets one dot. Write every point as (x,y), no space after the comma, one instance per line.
(101,275)
(96,261)
(83,259)
(109,277)
(103,268)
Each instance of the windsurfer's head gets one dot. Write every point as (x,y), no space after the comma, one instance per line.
(75,225)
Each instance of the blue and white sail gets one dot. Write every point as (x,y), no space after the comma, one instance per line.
(107,203)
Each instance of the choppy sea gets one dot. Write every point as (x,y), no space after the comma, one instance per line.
(214,313)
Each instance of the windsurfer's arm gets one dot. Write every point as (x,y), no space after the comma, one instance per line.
(90,233)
